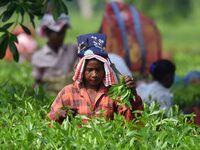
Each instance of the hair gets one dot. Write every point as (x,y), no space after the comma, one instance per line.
(87,60)
(161,68)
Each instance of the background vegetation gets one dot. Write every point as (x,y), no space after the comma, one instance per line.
(180,33)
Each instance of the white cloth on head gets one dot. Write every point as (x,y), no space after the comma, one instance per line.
(49,22)
(109,78)
(154,91)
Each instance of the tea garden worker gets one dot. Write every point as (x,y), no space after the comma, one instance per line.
(53,62)
(163,73)
(93,76)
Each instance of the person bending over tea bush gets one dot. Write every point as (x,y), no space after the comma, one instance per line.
(163,73)
(54,62)
(93,76)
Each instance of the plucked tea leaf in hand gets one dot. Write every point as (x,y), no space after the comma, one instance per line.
(121,93)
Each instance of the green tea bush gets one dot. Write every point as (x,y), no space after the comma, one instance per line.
(11,71)
(24,125)
(186,95)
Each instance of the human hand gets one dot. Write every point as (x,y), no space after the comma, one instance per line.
(124,92)
(130,82)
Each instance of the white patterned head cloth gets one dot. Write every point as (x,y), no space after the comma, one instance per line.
(54,25)
(109,78)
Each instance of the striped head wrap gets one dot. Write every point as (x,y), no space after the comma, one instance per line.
(109,78)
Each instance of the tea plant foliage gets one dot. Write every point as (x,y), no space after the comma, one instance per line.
(24,125)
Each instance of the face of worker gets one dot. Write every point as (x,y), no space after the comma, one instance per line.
(94,72)
(169,79)
(56,38)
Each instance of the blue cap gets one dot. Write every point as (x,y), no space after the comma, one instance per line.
(93,43)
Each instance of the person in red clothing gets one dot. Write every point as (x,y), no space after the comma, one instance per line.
(92,78)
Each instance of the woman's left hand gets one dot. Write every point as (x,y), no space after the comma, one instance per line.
(130,82)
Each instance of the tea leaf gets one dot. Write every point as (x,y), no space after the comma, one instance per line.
(121,93)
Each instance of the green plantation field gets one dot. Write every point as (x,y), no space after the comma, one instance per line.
(23,109)
(24,125)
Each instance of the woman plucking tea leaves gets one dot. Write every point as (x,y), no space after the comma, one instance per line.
(123,93)
(88,95)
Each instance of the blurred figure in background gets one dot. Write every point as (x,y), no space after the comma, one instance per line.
(53,63)
(131,35)
(163,73)
(26,45)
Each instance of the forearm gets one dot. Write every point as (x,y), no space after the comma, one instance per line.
(57,112)
(57,116)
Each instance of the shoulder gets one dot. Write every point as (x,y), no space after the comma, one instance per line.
(159,87)
(44,57)
(70,50)
(141,86)
(159,91)
(70,47)
(69,89)
(38,55)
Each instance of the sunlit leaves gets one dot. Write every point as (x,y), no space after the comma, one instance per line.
(24,126)
(121,93)
(26,30)
(6,15)
(3,44)
(24,123)
(34,8)
(12,46)
(10,40)
(6,27)
(3,2)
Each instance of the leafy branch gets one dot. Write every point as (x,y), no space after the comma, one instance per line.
(32,8)
(121,93)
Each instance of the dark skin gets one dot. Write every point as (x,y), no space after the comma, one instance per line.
(93,78)
(168,80)
(55,39)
